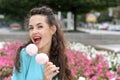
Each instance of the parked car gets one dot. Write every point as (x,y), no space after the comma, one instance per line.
(3,25)
(114,27)
(103,26)
(15,26)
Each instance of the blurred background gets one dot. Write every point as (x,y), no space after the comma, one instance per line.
(91,27)
(93,22)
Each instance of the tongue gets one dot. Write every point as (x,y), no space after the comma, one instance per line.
(37,41)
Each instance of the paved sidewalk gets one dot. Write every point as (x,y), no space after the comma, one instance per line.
(104,32)
(110,47)
(4,30)
(9,31)
(97,36)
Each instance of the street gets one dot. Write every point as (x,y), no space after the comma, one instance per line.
(98,39)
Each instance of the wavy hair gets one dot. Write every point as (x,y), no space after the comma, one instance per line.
(58,46)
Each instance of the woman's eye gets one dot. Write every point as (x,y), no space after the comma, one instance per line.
(40,26)
(30,28)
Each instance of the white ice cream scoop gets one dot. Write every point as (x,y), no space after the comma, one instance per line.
(42,58)
(31,49)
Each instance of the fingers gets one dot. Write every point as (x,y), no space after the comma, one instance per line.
(50,66)
(50,70)
(55,72)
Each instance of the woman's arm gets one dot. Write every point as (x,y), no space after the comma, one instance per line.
(23,67)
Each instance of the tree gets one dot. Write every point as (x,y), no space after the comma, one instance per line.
(81,6)
(17,9)
(116,13)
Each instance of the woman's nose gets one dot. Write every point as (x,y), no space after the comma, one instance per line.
(35,31)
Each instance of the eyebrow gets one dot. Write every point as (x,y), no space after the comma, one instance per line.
(37,24)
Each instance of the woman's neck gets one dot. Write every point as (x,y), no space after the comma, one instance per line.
(44,50)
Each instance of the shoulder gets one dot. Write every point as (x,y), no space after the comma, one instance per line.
(23,53)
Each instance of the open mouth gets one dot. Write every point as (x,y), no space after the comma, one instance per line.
(36,40)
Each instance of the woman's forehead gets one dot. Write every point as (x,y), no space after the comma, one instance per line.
(37,19)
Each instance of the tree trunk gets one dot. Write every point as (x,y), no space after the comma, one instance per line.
(75,19)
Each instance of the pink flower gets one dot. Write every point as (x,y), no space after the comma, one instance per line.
(7,56)
(94,78)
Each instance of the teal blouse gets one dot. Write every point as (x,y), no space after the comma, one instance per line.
(29,68)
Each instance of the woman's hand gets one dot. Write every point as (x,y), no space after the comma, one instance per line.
(50,71)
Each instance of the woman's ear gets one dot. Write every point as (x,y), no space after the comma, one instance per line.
(53,29)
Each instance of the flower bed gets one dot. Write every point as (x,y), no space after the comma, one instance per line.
(85,61)
(7,56)
(90,64)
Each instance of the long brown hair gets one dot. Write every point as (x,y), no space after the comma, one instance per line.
(58,46)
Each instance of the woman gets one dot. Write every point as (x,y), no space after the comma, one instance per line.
(45,33)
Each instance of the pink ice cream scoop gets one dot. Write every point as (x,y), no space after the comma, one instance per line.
(42,58)
(32,49)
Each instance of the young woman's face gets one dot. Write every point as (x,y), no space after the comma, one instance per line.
(40,32)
